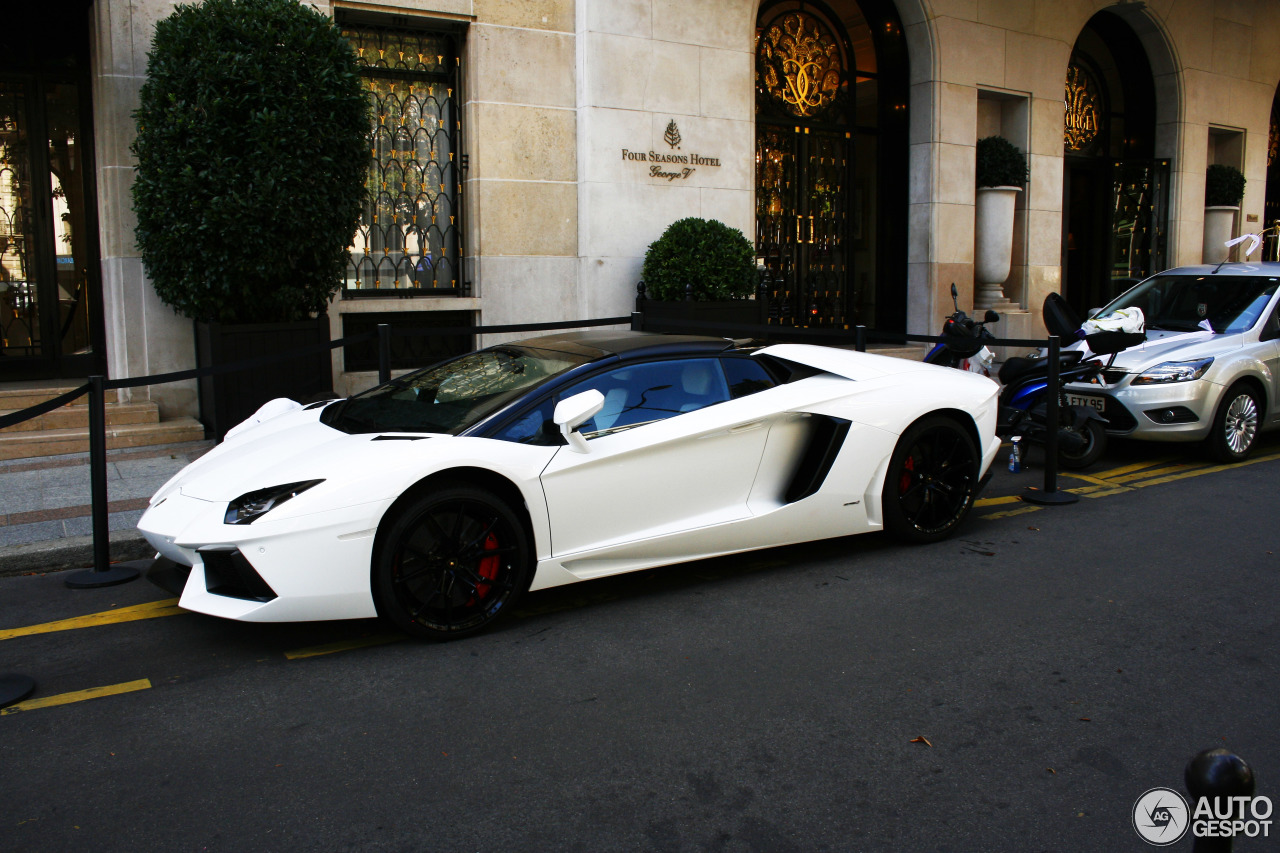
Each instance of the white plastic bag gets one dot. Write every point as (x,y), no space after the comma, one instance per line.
(1124,320)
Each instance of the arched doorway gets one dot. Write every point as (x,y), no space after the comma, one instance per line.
(831,162)
(1115,190)
(1271,208)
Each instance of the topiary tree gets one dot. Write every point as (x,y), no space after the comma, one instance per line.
(1223,186)
(717,260)
(1000,163)
(251,160)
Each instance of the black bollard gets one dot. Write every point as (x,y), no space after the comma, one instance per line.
(1217,773)
(103,572)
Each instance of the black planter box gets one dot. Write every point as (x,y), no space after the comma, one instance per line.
(226,399)
(659,316)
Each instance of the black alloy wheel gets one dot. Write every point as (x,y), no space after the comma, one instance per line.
(932,479)
(1235,427)
(452,563)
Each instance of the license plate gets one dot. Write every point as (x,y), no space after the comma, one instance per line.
(1098,403)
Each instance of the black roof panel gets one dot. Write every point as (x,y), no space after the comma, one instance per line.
(626,344)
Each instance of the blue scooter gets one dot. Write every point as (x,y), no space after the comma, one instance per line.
(1082,436)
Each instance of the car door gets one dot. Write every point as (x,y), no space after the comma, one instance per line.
(671,451)
(1268,351)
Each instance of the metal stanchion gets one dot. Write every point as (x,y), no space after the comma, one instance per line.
(384,353)
(860,338)
(1050,494)
(15,688)
(103,573)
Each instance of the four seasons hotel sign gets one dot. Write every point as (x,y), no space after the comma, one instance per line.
(670,166)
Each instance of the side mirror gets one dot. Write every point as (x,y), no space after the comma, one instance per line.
(991,317)
(573,412)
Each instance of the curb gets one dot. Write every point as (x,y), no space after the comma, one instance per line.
(73,552)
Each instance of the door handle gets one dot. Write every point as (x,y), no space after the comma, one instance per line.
(746,427)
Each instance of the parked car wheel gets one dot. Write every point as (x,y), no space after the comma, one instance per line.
(932,479)
(452,563)
(1235,427)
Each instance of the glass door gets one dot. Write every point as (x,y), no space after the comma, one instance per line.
(49,291)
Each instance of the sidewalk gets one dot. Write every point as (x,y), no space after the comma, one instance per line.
(45,515)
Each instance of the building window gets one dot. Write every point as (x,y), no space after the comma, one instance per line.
(409,238)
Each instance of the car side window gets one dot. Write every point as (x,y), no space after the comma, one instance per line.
(636,394)
(746,376)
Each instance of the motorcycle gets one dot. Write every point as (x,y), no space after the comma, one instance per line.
(1081,430)
(965,345)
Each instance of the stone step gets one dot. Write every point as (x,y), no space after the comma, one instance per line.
(12,399)
(69,417)
(52,442)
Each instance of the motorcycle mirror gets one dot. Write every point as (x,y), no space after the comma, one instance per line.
(954,294)
(991,317)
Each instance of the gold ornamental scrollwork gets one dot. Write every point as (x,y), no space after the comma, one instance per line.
(1080,125)
(1273,140)
(800,64)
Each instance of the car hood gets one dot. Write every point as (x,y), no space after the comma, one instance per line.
(289,448)
(1162,346)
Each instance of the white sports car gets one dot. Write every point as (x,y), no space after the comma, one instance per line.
(437,499)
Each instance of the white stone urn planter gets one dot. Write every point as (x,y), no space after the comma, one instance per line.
(1219,223)
(993,245)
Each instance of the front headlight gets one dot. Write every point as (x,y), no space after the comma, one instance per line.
(252,505)
(1174,371)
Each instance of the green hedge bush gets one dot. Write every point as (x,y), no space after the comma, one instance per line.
(252,160)
(717,260)
(1000,163)
(1223,185)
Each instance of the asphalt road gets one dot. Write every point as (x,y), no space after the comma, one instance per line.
(1015,688)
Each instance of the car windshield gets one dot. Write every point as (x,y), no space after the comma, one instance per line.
(1189,303)
(452,396)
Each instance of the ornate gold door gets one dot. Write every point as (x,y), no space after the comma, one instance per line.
(803,156)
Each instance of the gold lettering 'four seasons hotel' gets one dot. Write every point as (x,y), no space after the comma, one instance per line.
(838,135)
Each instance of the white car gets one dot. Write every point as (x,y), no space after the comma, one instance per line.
(1208,368)
(439,498)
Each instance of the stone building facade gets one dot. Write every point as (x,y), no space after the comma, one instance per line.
(541,145)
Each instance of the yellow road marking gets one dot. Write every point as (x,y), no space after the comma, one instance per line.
(150,610)
(1011,512)
(1006,499)
(1156,472)
(1114,482)
(1097,481)
(343,646)
(1137,466)
(77,696)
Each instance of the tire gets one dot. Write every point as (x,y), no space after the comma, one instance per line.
(1095,444)
(1235,427)
(931,481)
(452,563)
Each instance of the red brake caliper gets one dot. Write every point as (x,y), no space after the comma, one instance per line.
(908,468)
(488,567)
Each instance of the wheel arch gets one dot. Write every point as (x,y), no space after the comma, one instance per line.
(483,478)
(1255,384)
(963,418)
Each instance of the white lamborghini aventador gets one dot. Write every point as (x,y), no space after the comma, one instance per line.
(437,499)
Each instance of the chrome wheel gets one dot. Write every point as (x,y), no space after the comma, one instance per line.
(1241,423)
(1235,429)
